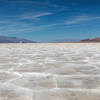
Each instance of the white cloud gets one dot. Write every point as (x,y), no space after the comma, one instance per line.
(34,16)
(3,22)
(22,28)
(81,19)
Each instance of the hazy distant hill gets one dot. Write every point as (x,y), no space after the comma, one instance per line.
(77,40)
(5,39)
(91,40)
(65,40)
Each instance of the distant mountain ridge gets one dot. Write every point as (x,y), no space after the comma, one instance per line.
(6,39)
(88,40)
(91,40)
(66,40)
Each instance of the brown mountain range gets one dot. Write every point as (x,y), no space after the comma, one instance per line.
(91,40)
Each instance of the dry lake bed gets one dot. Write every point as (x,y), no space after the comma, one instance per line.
(66,71)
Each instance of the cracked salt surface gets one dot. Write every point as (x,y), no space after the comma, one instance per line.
(50,71)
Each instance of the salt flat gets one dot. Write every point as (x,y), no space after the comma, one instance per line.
(50,71)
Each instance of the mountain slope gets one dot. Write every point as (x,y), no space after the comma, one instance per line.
(91,40)
(5,39)
(65,40)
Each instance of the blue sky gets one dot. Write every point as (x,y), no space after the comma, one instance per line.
(47,20)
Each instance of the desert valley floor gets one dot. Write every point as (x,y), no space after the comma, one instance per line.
(50,71)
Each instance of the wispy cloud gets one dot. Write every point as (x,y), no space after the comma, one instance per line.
(34,16)
(43,4)
(81,19)
(21,24)
(22,28)
(3,22)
